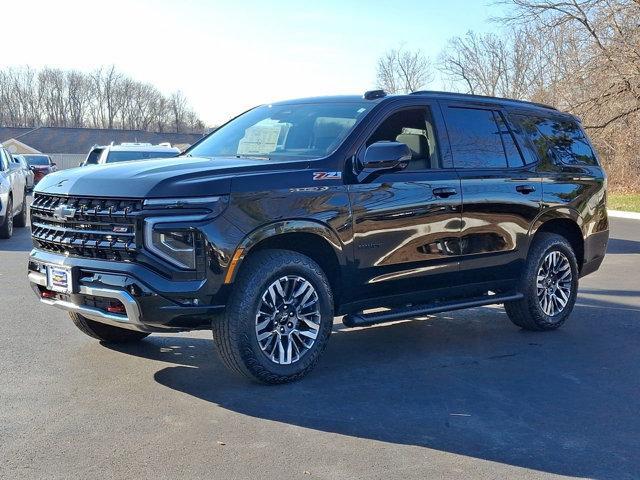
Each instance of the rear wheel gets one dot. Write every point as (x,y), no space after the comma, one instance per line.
(20,220)
(6,228)
(278,318)
(105,333)
(549,285)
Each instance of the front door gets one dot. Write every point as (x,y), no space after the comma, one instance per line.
(406,223)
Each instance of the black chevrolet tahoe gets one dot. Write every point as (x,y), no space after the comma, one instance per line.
(374,208)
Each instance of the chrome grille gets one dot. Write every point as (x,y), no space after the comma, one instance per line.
(85,226)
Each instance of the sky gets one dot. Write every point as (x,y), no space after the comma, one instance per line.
(228,56)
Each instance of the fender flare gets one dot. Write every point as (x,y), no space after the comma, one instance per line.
(561,212)
(283,227)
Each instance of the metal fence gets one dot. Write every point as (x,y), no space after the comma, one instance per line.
(63,160)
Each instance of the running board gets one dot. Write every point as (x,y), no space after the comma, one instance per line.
(365,319)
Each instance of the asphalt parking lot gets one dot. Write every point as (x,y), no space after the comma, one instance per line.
(461,395)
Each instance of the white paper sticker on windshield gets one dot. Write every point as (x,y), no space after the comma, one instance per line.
(259,140)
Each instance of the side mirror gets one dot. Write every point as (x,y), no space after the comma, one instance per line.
(53,164)
(382,156)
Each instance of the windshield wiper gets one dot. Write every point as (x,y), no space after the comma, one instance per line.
(253,157)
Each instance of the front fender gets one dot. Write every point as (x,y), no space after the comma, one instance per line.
(284,227)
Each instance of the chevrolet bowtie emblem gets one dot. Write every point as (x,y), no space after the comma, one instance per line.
(63,212)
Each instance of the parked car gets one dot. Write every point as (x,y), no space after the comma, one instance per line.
(99,155)
(29,176)
(41,165)
(296,212)
(13,195)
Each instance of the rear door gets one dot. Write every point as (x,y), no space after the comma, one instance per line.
(501,194)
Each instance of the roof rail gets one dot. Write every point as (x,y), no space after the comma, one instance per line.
(470,95)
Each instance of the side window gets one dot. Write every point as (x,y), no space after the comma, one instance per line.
(514,159)
(475,138)
(529,126)
(415,128)
(568,142)
(564,138)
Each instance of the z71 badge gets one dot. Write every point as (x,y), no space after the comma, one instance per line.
(327,175)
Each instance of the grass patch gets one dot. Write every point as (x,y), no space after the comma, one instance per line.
(621,201)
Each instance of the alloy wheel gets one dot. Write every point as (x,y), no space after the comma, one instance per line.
(554,283)
(288,319)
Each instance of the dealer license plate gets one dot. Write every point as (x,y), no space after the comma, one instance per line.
(59,278)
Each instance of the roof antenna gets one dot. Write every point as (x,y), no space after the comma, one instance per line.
(373,94)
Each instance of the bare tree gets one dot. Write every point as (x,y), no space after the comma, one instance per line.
(104,98)
(179,111)
(403,71)
(579,55)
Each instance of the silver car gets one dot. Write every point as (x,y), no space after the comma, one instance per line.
(13,195)
(27,171)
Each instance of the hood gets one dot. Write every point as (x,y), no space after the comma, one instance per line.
(167,177)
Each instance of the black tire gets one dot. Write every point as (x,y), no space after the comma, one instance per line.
(6,228)
(528,312)
(20,220)
(105,333)
(234,331)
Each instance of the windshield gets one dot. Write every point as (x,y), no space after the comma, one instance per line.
(123,156)
(309,130)
(37,159)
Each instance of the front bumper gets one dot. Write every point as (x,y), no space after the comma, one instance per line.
(125,295)
(130,320)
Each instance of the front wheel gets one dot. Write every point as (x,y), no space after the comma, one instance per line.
(278,318)
(105,333)
(549,285)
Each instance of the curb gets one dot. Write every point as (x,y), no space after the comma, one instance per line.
(622,214)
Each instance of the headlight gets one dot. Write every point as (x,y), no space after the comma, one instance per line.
(178,247)
(179,244)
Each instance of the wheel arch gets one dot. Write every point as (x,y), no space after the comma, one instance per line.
(311,238)
(565,222)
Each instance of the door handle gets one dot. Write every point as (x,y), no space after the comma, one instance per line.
(525,189)
(444,192)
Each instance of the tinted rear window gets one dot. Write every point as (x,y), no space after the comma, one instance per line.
(37,160)
(480,139)
(564,138)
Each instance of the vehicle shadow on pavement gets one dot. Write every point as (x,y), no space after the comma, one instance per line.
(19,242)
(621,246)
(472,384)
